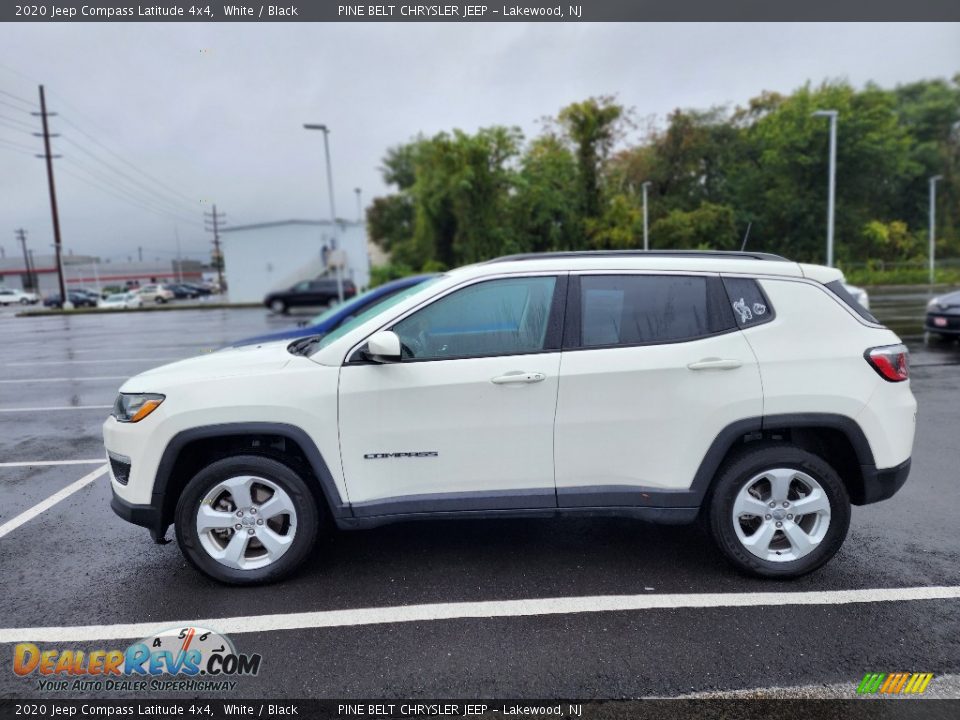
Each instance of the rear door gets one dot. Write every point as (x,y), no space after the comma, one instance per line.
(654,368)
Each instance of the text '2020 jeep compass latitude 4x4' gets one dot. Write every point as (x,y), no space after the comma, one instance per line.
(747,390)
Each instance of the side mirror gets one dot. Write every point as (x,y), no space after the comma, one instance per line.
(384,347)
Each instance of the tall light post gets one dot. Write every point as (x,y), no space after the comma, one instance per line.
(333,208)
(358,191)
(933,221)
(646,230)
(832,186)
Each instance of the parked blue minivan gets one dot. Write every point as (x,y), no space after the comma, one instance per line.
(335,316)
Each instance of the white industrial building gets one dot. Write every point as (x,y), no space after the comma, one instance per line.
(275,255)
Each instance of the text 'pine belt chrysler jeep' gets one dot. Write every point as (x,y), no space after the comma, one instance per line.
(742,389)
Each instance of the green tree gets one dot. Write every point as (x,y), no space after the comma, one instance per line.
(710,226)
(543,215)
(592,126)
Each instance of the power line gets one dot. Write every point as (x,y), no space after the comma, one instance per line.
(121,189)
(9,126)
(28,126)
(160,200)
(14,107)
(114,192)
(167,188)
(10,145)
(31,105)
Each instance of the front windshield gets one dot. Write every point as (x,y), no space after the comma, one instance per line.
(371,312)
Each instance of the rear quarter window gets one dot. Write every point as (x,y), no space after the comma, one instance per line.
(837,288)
(749,303)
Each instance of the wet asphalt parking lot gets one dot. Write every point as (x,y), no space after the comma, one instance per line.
(74,563)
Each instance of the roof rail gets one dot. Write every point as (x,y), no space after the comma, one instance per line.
(640,253)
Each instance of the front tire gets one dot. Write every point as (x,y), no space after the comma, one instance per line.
(777,511)
(279,307)
(246,520)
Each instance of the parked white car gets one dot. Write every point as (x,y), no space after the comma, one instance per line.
(121,301)
(740,388)
(12,296)
(858,294)
(155,294)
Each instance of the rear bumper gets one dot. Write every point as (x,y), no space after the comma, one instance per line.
(148,516)
(882,484)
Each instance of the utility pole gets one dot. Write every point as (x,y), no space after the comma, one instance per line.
(216,219)
(646,231)
(333,208)
(58,245)
(832,181)
(176,234)
(933,221)
(22,237)
(358,191)
(139,253)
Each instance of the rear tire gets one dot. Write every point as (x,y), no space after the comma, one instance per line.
(260,520)
(279,307)
(777,541)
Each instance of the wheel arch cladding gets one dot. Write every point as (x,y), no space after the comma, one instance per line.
(194,448)
(836,438)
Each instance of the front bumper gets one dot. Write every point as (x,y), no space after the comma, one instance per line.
(882,484)
(952,326)
(148,516)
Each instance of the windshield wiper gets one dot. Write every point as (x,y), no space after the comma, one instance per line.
(303,345)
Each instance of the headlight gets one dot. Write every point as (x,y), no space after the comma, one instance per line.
(134,407)
(933,303)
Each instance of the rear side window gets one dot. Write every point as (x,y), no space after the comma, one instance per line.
(641,309)
(747,300)
(837,288)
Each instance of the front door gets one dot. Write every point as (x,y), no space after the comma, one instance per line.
(465,420)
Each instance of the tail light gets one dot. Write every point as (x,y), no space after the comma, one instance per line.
(892,362)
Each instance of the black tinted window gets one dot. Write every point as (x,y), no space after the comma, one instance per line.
(841,292)
(750,306)
(636,309)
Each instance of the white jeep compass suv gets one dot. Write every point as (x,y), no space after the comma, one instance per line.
(740,388)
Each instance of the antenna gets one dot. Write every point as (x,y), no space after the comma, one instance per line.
(745,236)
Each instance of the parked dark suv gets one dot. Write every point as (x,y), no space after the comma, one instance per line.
(308,293)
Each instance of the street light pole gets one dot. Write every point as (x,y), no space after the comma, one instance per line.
(333,209)
(359,205)
(933,221)
(646,231)
(832,186)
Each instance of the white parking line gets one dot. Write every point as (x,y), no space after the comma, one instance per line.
(47,463)
(483,610)
(61,407)
(28,515)
(65,379)
(91,362)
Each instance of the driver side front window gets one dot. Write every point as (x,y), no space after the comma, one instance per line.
(497,317)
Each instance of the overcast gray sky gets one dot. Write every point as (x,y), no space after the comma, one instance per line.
(214,111)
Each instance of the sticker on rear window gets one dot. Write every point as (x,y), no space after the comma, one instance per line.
(740,307)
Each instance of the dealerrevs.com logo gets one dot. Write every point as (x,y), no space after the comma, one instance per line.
(179,659)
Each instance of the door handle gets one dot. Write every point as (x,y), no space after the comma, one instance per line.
(715,364)
(518,377)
